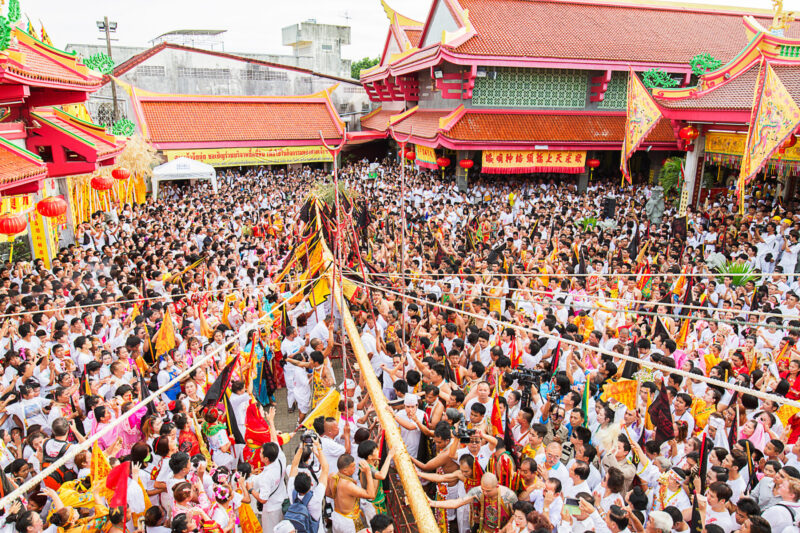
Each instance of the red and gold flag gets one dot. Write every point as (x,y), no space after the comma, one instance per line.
(642,116)
(774,118)
(497,419)
(683,334)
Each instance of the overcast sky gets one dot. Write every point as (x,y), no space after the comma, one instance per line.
(253,25)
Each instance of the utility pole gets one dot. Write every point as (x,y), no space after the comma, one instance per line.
(108,27)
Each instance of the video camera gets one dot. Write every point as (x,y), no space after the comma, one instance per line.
(462,433)
(528,378)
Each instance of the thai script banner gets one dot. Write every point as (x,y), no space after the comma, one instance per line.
(426,157)
(234,157)
(524,161)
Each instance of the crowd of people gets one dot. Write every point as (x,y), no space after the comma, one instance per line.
(496,319)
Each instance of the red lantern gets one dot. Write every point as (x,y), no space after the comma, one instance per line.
(102,183)
(593,163)
(688,133)
(410,155)
(52,206)
(443,162)
(13,223)
(466,164)
(121,173)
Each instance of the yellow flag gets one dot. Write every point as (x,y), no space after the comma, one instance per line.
(774,119)
(100,466)
(622,390)
(226,308)
(642,116)
(320,292)
(785,413)
(201,441)
(248,520)
(165,336)
(327,407)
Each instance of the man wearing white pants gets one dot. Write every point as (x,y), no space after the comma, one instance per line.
(291,347)
(269,487)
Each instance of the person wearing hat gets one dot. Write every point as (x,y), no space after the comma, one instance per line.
(670,491)
(410,420)
(284,527)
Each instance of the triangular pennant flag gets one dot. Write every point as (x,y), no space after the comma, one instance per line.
(774,119)
(165,336)
(220,385)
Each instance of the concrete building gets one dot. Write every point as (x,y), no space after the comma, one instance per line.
(315,47)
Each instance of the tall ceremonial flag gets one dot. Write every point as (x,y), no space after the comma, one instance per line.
(45,36)
(496,419)
(661,416)
(774,118)
(217,389)
(642,116)
(165,336)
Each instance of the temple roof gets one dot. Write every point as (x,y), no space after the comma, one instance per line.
(465,128)
(549,128)
(104,144)
(18,165)
(35,63)
(604,30)
(172,120)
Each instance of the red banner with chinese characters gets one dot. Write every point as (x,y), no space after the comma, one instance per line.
(525,161)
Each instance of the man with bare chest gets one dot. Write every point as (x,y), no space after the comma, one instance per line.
(445,462)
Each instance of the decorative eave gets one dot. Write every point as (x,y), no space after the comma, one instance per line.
(140,98)
(29,61)
(778,50)
(444,135)
(19,167)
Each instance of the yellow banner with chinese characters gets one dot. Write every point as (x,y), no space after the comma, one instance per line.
(641,117)
(734,143)
(41,249)
(524,161)
(426,157)
(14,205)
(234,157)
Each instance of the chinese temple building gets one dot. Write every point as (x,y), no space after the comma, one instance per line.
(38,140)
(226,131)
(719,107)
(483,80)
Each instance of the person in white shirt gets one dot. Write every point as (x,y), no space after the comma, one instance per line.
(328,430)
(410,421)
(269,487)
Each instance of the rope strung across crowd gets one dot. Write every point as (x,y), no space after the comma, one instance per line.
(86,444)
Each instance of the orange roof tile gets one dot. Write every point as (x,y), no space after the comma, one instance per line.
(423,123)
(548,128)
(414,36)
(737,94)
(571,29)
(378,121)
(15,167)
(219,120)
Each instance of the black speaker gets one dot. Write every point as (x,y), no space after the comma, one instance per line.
(609,206)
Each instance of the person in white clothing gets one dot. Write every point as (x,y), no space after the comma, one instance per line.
(269,487)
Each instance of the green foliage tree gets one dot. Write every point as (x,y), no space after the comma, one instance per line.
(362,64)
(670,176)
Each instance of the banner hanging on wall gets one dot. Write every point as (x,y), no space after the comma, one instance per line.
(236,157)
(525,161)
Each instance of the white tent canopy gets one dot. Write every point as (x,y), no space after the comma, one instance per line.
(183,168)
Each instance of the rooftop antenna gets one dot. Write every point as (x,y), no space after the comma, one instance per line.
(347,17)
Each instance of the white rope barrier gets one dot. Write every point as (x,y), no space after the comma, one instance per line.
(650,364)
(86,444)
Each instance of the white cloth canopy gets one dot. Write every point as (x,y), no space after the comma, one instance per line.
(183,168)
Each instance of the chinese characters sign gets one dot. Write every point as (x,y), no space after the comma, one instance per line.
(426,157)
(524,161)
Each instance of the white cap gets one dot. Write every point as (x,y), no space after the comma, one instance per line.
(410,399)
(350,384)
(716,422)
(284,526)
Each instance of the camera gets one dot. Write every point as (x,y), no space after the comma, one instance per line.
(462,433)
(528,378)
(308,437)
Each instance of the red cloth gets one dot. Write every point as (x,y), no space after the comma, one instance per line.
(117,482)
(794,389)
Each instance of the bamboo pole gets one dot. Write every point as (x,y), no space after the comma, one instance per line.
(417,500)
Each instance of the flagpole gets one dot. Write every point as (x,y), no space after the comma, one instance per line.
(403,227)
